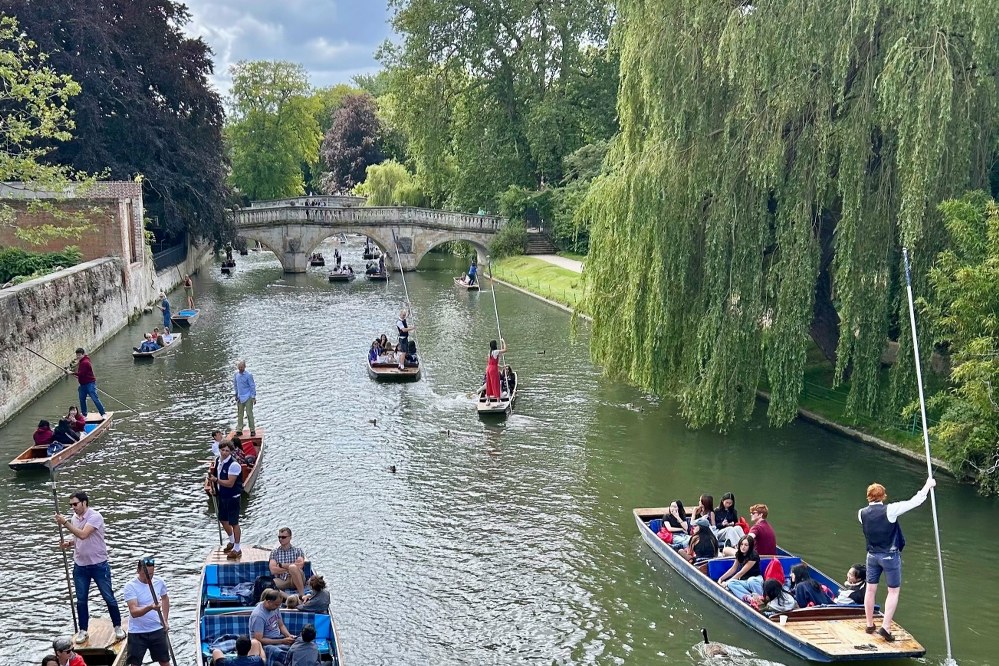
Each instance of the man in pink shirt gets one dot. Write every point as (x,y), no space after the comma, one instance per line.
(90,562)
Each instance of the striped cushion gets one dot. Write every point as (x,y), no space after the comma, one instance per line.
(213,626)
(218,576)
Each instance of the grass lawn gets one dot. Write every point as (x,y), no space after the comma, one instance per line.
(573,255)
(541,278)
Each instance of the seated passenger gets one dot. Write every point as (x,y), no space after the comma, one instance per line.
(76,419)
(148,345)
(319,600)
(744,576)
(43,434)
(702,545)
(64,433)
(511,379)
(675,520)
(807,590)
(726,525)
(373,352)
(775,598)
(705,509)
(167,336)
(350,269)
(249,452)
(854,588)
(411,353)
(384,343)
(761,532)
(249,652)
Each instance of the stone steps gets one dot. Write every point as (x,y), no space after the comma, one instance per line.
(538,243)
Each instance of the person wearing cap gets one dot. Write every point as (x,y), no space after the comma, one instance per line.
(227,476)
(90,562)
(703,544)
(146,630)
(88,382)
(64,653)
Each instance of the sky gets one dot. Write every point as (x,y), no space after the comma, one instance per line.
(333,39)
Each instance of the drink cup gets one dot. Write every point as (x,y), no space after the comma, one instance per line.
(782,619)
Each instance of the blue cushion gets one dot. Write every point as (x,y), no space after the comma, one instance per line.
(236,623)
(655,524)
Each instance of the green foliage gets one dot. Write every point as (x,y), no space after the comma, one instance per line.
(390,184)
(964,312)
(352,143)
(18,265)
(273,128)
(511,240)
(766,150)
(527,206)
(35,117)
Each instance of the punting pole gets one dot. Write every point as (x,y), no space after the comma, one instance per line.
(65,560)
(215,503)
(926,444)
(492,284)
(104,393)
(409,303)
(159,611)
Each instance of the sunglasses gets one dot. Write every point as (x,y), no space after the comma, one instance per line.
(74,503)
(284,536)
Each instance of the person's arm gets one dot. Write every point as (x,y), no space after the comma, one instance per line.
(253,386)
(896,509)
(165,608)
(275,567)
(288,638)
(135,610)
(235,386)
(78,532)
(728,574)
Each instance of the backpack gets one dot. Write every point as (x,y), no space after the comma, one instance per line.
(775,571)
(262,582)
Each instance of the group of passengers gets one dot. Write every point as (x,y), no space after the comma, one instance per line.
(375,267)
(508,381)
(67,431)
(383,352)
(155,340)
(342,269)
(709,532)
(317,256)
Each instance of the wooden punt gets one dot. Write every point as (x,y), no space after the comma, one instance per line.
(36,458)
(249,475)
(218,614)
(101,647)
(227,270)
(458,282)
(392,373)
(377,277)
(317,262)
(500,407)
(823,633)
(342,277)
(177,339)
(185,317)
(369,255)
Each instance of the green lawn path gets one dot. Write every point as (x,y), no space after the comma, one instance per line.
(539,277)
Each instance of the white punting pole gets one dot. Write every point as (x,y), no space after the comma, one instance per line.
(926,444)
(409,303)
(492,283)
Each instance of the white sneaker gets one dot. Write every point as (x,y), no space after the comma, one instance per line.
(80,638)
(119,634)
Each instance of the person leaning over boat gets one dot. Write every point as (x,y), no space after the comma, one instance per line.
(64,654)
(90,562)
(88,382)
(267,627)
(145,630)
(287,564)
(246,397)
(249,652)
(227,476)
(883,535)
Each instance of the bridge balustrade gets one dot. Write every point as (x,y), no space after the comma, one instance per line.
(375,215)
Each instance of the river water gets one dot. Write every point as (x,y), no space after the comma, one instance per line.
(492,543)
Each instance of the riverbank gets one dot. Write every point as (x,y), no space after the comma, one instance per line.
(543,279)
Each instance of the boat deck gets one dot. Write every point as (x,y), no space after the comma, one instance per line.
(844,637)
(102,648)
(250,554)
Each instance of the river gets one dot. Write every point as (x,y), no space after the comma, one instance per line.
(491,543)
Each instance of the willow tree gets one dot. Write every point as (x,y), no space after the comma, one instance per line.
(773,159)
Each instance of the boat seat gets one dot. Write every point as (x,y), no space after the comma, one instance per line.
(719,566)
(235,624)
(656,524)
(220,578)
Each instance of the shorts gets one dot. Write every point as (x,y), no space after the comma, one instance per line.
(889,563)
(229,510)
(153,641)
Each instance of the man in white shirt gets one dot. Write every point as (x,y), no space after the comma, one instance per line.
(216,440)
(149,616)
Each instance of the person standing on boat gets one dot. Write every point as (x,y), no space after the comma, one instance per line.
(492,370)
(471,272)
(246,397)
(88,382)
(164,306)
(381,264)
(145,630)
(404,330)
(189,291)
(227,476)
(90,562)
(885,542)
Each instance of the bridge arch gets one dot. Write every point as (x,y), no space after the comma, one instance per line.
(481,250)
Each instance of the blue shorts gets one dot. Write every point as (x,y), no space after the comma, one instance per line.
(889,563)
(229,510)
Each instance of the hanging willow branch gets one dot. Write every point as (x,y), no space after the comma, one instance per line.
(756,140)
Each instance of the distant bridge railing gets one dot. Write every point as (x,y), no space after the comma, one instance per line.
(256,217)
(329,200)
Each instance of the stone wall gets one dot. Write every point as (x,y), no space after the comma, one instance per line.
(82,306)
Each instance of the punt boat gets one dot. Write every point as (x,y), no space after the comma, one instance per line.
(377,277)
(819,633)
(458,282)
(177,339)
(102,648)
(36,458)
(319,260)
(185,318)
(390,372)
(342,277)
(500,407)
(370,254)
(223,611)
(249,475)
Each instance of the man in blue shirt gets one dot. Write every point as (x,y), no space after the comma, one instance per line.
(246,396)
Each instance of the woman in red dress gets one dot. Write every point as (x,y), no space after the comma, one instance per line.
(492,370)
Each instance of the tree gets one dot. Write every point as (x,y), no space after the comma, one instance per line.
(273,128)
(389,184)
(352,143)
(773,158)
(34,115)
(964,310)
(146,107)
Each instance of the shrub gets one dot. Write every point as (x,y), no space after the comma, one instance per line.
(510,240)
(18,263)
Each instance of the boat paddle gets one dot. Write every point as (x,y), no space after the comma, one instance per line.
(159,611)
(65,559)
(926,444)
(104,393)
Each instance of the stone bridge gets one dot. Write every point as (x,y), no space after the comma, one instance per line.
(293,228)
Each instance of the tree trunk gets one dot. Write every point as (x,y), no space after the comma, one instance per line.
(825,320)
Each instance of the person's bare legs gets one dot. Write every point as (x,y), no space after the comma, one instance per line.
(891,603)
(256,649)
(296,576)
(869,598)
